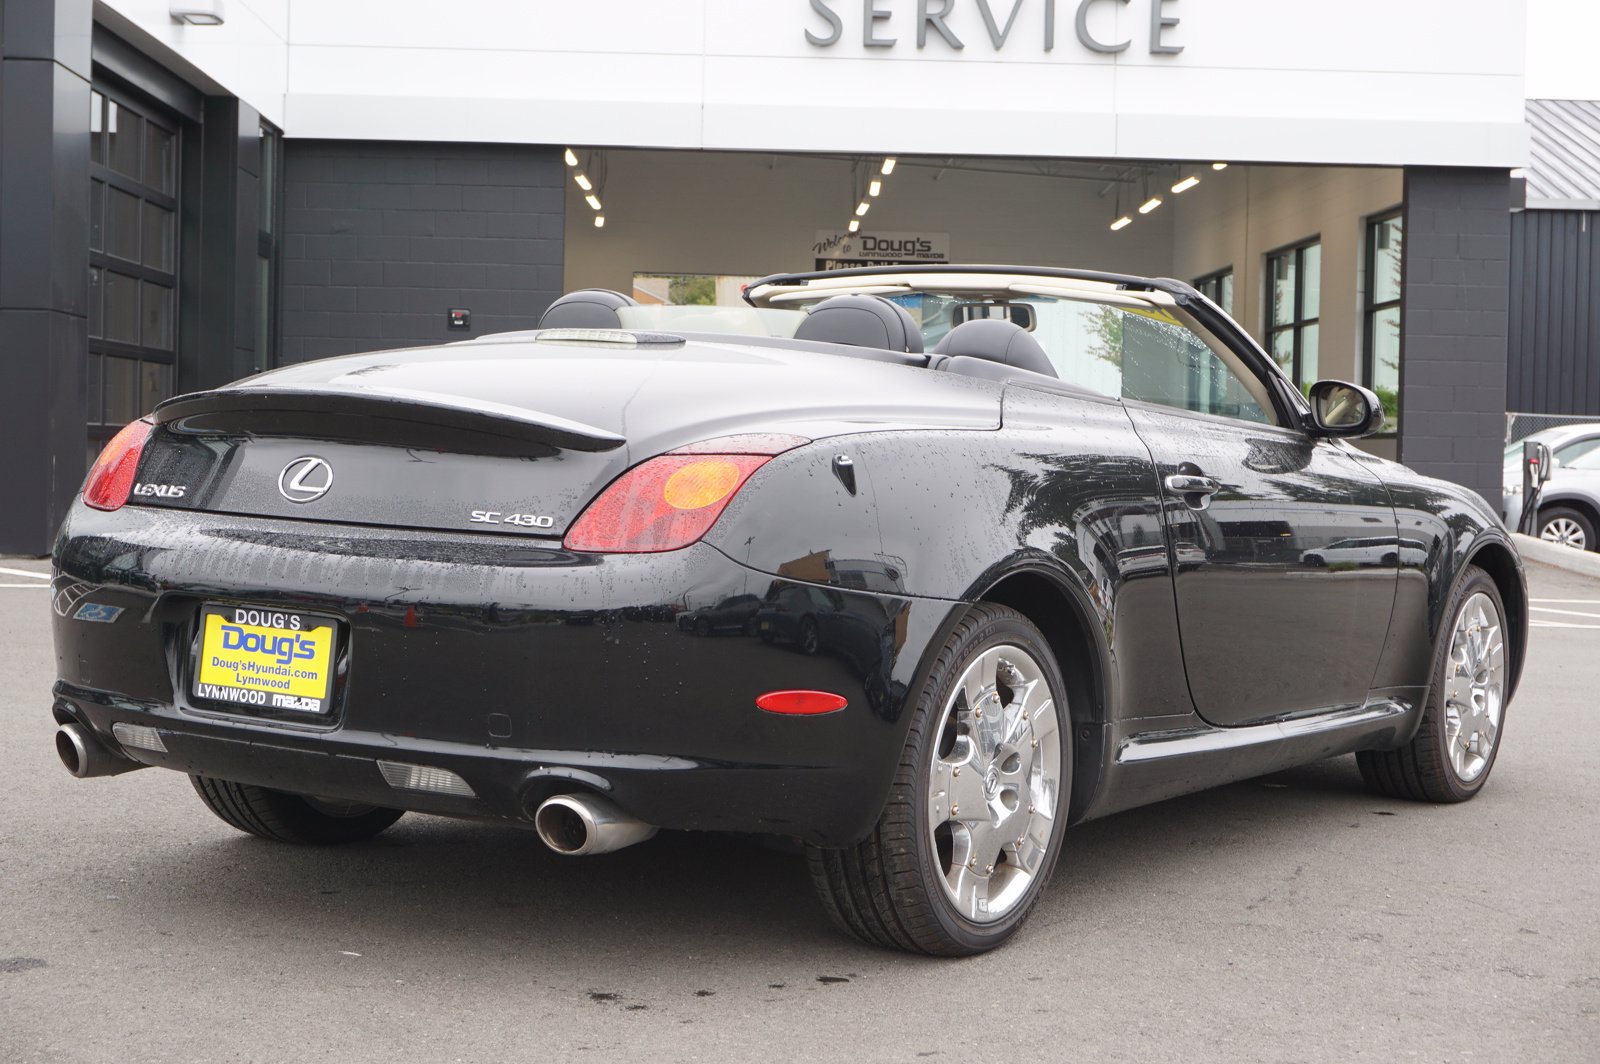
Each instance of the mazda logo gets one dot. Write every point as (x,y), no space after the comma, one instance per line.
(305,479)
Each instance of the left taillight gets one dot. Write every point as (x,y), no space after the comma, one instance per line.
(111,477)
(672,500)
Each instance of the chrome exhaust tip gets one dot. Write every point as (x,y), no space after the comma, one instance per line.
(85,757)
(580,825)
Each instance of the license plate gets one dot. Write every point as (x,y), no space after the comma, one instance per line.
(255,658)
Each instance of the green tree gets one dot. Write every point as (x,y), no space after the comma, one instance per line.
(1105,328)
(692,290)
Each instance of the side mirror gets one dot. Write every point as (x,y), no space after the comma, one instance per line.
(1342,409)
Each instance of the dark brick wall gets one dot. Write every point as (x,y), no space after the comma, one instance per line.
(44,264)
(1453,369)
(381,240)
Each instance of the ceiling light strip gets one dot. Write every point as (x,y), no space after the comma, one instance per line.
(874,190)
(586,185)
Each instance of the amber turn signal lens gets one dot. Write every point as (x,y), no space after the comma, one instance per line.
(701,484)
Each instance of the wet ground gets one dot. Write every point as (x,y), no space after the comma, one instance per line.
(1290,918)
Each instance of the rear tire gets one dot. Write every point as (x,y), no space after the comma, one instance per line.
(284,817)
(1440,763)
(904,887)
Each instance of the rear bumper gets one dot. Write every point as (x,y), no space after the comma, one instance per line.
(522,668)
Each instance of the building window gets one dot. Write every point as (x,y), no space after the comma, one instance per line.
(1218,287)
(133,259)
(1381,369)
(1294,294)
(267,248)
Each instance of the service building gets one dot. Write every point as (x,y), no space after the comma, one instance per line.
(184,201)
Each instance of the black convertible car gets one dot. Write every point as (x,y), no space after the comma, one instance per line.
(1054,532)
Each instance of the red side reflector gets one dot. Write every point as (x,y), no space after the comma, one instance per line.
(111,478)
(801,703)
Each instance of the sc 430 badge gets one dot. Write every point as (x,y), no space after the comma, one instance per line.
(495,517)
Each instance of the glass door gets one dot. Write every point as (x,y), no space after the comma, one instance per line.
(133,260)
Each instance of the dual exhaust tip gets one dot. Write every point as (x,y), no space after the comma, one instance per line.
(580,825)
(577,825)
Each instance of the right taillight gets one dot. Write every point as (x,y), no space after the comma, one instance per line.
(111,477)
(673,499)
(665,504)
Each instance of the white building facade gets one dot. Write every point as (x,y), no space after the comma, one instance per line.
(321,176)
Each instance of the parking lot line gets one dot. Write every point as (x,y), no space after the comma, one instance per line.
(1536,623)
(1570,602)
(25,572)
(1564,613)
(45,587)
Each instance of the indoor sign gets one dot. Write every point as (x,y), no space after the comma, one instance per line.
(836,250)
(880,26)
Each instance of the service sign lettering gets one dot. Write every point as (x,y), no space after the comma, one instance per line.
(882,22)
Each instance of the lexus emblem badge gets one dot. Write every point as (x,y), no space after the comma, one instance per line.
(305,479)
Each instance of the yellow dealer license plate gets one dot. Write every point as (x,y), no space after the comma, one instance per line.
(256,658)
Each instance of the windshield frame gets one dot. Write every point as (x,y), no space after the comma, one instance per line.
(1293,410)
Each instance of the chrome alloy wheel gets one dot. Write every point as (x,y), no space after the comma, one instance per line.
(995,782)
(1474,687)
(1565,531)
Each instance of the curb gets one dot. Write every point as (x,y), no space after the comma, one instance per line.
(1583,562)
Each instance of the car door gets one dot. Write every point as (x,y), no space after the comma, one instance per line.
(1272,623)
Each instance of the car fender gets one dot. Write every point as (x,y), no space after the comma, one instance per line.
(1065,487)
(1456,528)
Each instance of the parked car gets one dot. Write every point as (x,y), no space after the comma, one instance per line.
(1058,567)
(736,613)
(1569,506)
(1379,551)
(795,614)
(1568,516)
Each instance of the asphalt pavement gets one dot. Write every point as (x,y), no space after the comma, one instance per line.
(1292,918)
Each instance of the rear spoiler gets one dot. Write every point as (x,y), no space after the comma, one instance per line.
(264,411)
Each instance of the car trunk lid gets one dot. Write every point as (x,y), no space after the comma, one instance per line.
(510,436)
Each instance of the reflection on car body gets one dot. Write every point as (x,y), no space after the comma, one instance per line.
(732,614)
(1380,551)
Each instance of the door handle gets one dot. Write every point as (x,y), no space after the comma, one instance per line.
(1189,484)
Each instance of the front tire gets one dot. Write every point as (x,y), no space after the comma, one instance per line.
(973,825)
(1449,758)
(809,639)
(284,817)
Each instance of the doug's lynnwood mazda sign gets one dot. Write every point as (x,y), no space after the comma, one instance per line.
(836,250)
(878,22)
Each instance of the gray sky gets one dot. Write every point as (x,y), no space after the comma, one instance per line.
(1563,36)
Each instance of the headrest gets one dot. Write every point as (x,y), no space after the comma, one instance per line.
(592,308)
(862,321)
(999,341)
